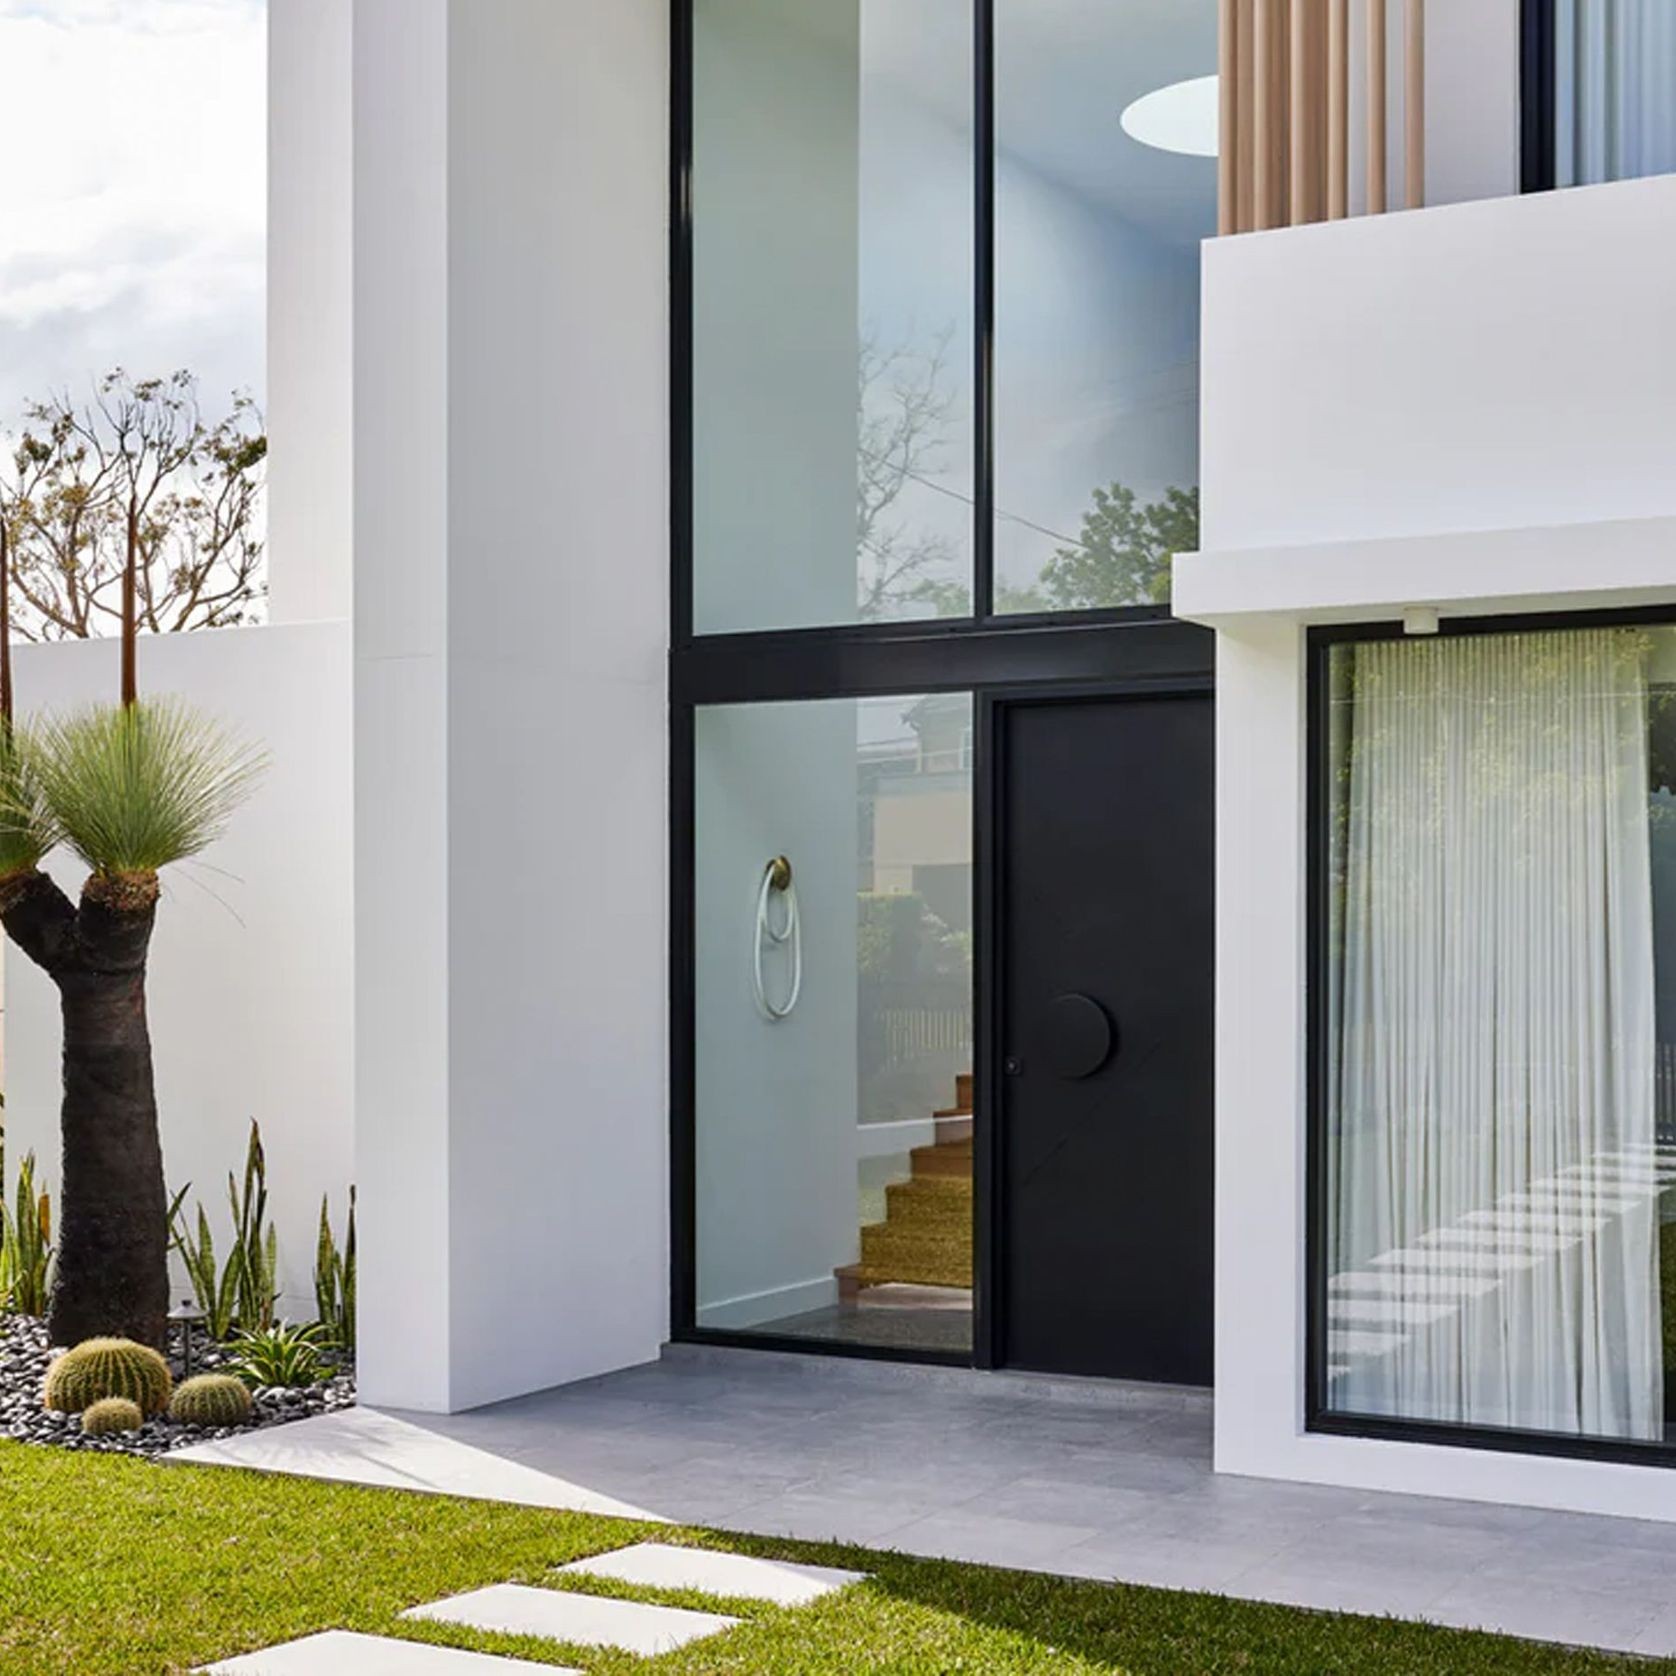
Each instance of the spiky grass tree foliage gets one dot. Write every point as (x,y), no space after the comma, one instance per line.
(130,789)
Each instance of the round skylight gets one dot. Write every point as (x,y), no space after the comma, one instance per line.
(1182,117)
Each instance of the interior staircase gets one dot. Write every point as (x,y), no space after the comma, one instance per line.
(926,1236)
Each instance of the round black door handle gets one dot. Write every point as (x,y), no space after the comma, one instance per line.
(1077,1036)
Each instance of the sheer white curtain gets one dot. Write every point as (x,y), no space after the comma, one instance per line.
(1492,1034)
(1615,88)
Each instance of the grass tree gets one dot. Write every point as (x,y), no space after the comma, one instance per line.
(130,788)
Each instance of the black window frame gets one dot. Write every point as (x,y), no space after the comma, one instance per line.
(988,654)
(1538,96)
(1318,1417)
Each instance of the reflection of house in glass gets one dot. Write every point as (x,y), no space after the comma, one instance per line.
(914,1012)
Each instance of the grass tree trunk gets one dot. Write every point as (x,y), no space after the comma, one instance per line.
(112,1274)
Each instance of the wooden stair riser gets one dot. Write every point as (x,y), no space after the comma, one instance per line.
(954,1159)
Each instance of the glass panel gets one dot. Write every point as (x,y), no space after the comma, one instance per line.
(1105,182)
(834,1020)
(1614,90)
(1500,1128)
(832,311)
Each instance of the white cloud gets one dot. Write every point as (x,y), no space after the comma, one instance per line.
(133,196)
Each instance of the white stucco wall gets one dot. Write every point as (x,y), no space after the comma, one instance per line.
(1469,409)
(1481,366)
(310,463)
(250,989)
(511,540)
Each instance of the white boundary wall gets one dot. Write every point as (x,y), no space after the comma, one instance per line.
(251,987)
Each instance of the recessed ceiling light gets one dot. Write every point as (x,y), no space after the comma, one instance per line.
(1183,117)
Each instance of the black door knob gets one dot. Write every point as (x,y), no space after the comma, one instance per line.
(1077,1036)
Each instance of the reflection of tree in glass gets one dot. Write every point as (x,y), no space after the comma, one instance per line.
(902,424)
(1122,556)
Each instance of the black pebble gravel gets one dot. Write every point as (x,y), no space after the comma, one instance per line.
(24,1358)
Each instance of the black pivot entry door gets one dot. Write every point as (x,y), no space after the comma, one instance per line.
(1104,862)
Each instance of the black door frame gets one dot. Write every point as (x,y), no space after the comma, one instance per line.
(1154,657)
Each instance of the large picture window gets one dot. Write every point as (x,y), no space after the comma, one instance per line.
(1496,1128)
(943,280)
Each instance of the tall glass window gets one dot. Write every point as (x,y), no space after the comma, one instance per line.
(1614,90)
(1498,1141)
(832,183)
(833,1024)
(1105,182)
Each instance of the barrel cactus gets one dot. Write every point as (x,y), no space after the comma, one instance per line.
(108,1367)
(111,1415)
(211,1399)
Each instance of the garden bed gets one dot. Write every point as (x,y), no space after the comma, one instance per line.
(25,1356)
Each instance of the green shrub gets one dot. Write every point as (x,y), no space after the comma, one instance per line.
(244,1292)
(281,1355)
(26,1246)
(110,1415)
(210,1399)
(108,1367)
(334,1277)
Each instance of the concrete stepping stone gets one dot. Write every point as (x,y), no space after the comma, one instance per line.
(338,1653)
(585,1620)
(658,1565)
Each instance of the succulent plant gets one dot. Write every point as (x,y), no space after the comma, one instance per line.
(110,1415)
(108,1367)
(210,1399)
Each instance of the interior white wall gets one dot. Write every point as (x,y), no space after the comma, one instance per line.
(776,166)
(1096,363)
(250,992)
(310,296)
(510,623)
(1468,408)
(777,1103)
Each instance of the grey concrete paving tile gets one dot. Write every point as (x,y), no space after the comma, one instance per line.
(986,1539)
(658,1565)
(1577,1617)
(1166,1561)
(1368,1595)
(578,1619)
(1658,1639)
(870,1520)
(338,1653)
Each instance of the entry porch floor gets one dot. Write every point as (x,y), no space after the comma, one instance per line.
(1080,1478)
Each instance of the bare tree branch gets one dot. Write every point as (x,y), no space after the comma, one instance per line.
(134,490)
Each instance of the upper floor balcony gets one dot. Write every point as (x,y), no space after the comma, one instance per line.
(1472,406)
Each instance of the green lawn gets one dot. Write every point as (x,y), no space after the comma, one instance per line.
(112,1565)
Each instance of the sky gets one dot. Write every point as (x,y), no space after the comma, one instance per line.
(133,196)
